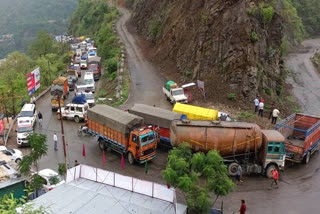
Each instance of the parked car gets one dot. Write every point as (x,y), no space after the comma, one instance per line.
(28,113)
(76,112)
(50,179)
(23,131)
(14,154)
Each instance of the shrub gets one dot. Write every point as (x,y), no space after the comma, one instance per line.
(245,115)
(252,10)
(232,96)
(188,73)
(267,12)
(112,65)
(113,76)
(155,27)
(268,91)
(254,37)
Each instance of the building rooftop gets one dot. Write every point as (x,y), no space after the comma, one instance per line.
(87,191)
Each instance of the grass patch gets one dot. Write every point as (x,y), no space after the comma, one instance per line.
(232,96)
(246,116)
(254,37)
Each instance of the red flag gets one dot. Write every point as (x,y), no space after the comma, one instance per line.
(169,186)
(122,162)
(83,151)
(103,158)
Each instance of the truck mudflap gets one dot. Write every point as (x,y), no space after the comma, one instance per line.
(146,158)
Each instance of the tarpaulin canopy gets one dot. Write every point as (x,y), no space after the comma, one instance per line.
(196,112)
(153,115)
(59,81)
(94,59)
(79,99)
(56,89)
(116,119)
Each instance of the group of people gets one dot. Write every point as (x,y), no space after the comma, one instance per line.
(259,107)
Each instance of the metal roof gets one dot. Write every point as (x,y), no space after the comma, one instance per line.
(82,196)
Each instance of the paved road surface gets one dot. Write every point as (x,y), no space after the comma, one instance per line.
(305,79)
(146,82)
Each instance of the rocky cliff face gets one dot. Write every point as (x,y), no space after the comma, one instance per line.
(230,44)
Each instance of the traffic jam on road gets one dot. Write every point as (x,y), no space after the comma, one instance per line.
(136,132)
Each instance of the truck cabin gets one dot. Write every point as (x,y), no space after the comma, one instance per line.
(272,149)
(144,140)
(177,92)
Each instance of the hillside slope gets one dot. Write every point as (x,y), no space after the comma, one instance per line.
(233,45)
(21,20)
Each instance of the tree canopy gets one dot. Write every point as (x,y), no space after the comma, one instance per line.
(197,175)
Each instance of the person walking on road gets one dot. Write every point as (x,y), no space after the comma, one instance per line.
(261,106)
(275,178)
(239,175)
(40,119)
(55,140)
(243,207)
(275,114)
(256,104)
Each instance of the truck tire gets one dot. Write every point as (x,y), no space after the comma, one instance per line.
(269,169)
(233,168)
(101,145)
(77,119)
(306,159)
(130,158)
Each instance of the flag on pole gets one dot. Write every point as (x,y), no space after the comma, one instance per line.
(122,162)
(146,168)
(103,158)
(83,150)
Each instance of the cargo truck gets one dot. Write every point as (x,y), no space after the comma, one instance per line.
(256,150)
(122,132)
(94,65)
(59,89)
(157,117)
(173,93)
(302,135)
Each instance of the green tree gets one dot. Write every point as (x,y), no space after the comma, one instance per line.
(42,45)
(39,148)
(197,175)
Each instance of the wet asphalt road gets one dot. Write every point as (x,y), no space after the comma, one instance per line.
(300,186)
(304,78)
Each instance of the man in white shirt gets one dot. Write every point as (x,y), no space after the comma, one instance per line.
(55,140)
(256,104)
(261,106)
(275,114)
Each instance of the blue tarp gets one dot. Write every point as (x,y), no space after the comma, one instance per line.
(79,99)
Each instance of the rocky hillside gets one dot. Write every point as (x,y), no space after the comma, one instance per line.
(233,45)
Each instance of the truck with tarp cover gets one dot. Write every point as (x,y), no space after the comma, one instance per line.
(59,89)
(195,112)
(94,65)
(157,117)
(302,134)
(122,132)
(256,150)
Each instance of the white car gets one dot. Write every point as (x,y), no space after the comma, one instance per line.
(28,114)
(51,179)
(76,112)
(14,154)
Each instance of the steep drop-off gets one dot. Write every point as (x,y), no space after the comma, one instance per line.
(233,45)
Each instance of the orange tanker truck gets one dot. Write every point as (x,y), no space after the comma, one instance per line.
(122,132)
(256,150)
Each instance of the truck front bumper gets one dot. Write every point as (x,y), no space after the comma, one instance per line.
(146,158)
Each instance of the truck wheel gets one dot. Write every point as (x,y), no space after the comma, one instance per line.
(130,158)
(269,170)
(76,119)
(233,168)
(101,145)
(307,158)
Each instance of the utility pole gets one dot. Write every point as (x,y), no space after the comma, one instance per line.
(62,133)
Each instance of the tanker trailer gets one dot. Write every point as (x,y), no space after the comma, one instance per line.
(256,150)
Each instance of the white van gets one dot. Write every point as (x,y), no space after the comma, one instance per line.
(28,113)
(88,80)
(24,129)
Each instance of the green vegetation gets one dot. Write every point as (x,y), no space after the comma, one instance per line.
(232,96)
(21,20)
(252,10)
(268,91)
(45,53)
(245,116)
(197,175)
(62,169)
(155,28)
(267,12)
(254,37)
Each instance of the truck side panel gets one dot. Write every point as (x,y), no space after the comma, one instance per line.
(108,132)
(313,138)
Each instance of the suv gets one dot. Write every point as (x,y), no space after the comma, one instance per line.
(23,130)
(76,112)
(29,113)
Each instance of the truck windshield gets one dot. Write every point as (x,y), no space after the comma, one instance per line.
(146,138)
(24,129)
(89,81)
(177,92)
(89,96)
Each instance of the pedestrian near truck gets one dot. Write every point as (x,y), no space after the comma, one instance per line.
(243,207)
(261,106)
(275,178)
(256,104)
(239,175)
(55,141)
(275,114)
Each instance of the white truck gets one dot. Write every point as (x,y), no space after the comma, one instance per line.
(173,93)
